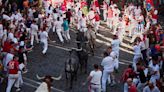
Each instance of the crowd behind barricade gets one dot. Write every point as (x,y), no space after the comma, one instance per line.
(21,24)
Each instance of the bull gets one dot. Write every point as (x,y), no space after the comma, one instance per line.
(78,57)
(45,86)
(86,41)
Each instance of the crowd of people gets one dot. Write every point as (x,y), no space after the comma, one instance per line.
(22,24)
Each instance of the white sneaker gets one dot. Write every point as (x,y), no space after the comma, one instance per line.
(25,71)
(18,89)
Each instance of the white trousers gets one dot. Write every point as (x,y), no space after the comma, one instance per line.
(28,31)
(49,28)
(67,35)
(34,35)
(12,78)
(98,10)
(96,26)
(45,46)
(115,27)
(59,33)
(105,14)
(53,28)
(95,88)
(83,29)
(121,34)
(140,87)
(135,61)
(116,65)
(20,80)
(105,77)
(109,22)
(154,78)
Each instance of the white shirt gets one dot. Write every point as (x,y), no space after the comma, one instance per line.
(11,36)
(15,40)
(14,16)
(1,27)
(147,89)
(42,88)
(1,31)
(154,68)
(91,15)
(49,11)
(12,26)
(48,21)
(137,12)
(142,44)
(147,43)
(1,34)
(43,36)
(34,28)
(58,24)
(108,63)
(83,21)
(96,77)
(30,14)
(115,45)
(137,50)
(6,17)
(55,16)
(147,26)
(7,59)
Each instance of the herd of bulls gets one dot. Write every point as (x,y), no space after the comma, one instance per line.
(78,58)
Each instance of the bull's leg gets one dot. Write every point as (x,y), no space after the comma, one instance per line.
(85,66)
(93,47)
(81,65)
(71,83)
(75,74)
(66,75)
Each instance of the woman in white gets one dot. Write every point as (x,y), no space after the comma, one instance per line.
(59,29)
(44,39)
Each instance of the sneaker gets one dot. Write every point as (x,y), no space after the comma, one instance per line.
(18,89)
(113,83)
(25,71)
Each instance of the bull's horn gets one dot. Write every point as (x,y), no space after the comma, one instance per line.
(73,48)
(79,49)
(40,78)
(57,78)
(69,49)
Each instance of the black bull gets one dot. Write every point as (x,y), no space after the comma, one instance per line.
(85,43)
(78,57)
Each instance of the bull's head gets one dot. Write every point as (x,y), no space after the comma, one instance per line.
(48,80)
(51,78)
(74,49)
